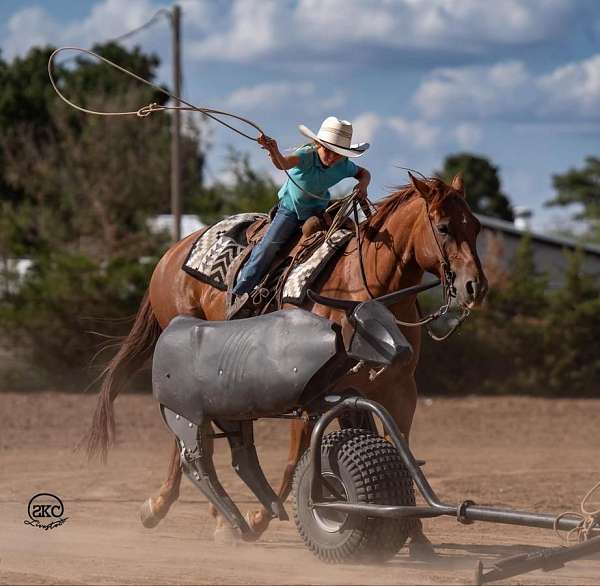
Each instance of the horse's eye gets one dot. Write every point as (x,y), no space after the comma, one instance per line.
(443,229)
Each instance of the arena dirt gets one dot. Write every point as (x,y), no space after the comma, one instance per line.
(531,454)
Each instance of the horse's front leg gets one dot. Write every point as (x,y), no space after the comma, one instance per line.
(400,399)
(299,441)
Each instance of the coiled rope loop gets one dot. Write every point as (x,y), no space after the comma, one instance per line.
(149,109)
(590,519)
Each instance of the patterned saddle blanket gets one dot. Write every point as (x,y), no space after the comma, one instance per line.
(213,253)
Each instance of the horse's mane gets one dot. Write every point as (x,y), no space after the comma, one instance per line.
(402,195)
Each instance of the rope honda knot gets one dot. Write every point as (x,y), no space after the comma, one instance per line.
(145,111)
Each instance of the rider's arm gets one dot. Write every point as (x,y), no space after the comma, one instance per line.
(363,177)
(279,161)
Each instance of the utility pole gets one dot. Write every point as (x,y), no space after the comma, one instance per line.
(176,126)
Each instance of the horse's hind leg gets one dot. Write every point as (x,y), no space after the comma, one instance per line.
(155,509)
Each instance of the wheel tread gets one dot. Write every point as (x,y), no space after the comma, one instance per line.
(375,467)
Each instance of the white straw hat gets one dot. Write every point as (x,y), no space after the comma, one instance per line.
(336,135)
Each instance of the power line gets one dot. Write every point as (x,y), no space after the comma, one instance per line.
(155,17)
(139,29)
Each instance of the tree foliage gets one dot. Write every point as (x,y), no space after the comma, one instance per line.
(581,187)
(94,185)
(482,184)
(85,189)
(524,293)
(244,190)
(525,339)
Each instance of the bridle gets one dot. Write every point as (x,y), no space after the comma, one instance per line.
(447,278)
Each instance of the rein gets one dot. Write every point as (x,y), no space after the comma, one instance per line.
(447,278)
(147,110)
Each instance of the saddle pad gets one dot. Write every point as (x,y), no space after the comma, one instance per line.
(303,275)
(214,250)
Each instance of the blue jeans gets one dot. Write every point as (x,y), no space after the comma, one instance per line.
(283,227)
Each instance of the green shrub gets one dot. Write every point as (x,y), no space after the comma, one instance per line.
(53,315)
(525,339)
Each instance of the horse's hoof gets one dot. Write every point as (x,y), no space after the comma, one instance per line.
(226,535)
(147,516)
(255,531)
(421,551)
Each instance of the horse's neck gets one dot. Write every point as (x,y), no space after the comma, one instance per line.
(389,255)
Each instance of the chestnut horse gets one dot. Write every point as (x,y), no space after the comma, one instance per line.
(420,228)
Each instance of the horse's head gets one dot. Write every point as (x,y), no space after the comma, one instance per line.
(445,238)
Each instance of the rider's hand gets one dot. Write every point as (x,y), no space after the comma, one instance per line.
(361,192)
(268,143)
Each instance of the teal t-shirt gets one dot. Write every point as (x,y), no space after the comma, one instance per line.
(312,175)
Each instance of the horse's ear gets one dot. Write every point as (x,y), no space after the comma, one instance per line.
(421,186)
(458,184)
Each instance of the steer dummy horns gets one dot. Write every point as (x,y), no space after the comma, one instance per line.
(388,299)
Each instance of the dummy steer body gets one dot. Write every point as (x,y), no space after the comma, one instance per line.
(243,368)
(269,364)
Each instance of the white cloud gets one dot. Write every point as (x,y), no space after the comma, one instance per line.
(467,135)
(26,28)
(510,90)
(297,30)
(416,135)
(252,29)
(365,126)
(436,23)
(269,95)
(477,91)
(108,19)
(418,132)
(573,87)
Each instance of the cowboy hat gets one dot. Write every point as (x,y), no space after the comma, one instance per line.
(336,135)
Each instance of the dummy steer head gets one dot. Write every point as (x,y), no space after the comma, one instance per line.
(369,328)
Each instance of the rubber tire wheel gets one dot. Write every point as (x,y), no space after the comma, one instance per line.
(371,471)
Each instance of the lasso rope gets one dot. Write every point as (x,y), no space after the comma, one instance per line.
(149,109)
(590,519)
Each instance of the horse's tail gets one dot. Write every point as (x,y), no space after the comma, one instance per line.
(135,349)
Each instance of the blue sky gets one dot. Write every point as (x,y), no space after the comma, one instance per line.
(515,80)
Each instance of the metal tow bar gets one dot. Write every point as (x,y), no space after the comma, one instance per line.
(545,559)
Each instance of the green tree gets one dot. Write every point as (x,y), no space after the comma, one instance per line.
(246,190)
(524,294)
(90,184)
(28,104)
(581,186)
(94,186)
(482,184)
(91,76)
(573,321)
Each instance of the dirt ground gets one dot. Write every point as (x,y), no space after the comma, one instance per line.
(531,454)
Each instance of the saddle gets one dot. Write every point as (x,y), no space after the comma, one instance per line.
(268,293)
